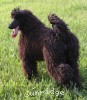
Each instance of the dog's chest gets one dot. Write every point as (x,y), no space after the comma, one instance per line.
(32,48)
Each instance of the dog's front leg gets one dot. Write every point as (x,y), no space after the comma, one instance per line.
(27,69)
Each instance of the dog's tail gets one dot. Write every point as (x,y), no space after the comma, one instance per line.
(58,24)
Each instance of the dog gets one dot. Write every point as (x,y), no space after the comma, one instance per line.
(57,46)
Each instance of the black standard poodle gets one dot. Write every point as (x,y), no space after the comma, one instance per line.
(58,47)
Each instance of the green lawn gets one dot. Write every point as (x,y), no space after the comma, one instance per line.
(13,84)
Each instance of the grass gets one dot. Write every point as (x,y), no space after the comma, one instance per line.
(13,84)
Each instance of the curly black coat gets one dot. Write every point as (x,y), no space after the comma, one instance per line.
(58,47)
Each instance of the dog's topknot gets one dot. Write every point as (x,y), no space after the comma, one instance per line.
(15,11)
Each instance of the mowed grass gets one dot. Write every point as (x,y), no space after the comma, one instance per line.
(13,84)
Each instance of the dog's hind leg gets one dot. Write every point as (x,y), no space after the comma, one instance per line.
(59,70)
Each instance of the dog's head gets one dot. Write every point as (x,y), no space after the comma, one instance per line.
(19,20)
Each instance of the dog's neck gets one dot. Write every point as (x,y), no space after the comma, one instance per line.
(33,29)
(30,34)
